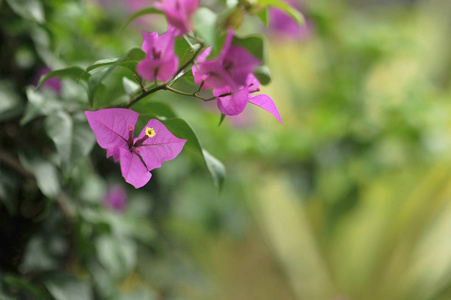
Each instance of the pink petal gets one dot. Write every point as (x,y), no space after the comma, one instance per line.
(133,169)
(265,102)
(111,125)
(168,68)
(234,104)
(115,152)
(227,44)
(147,68)
(162,147)
(243,64)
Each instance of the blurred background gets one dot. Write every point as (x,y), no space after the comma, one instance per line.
(349,199)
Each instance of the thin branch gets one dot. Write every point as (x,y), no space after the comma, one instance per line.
(166,85)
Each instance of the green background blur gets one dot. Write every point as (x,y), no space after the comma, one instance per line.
(349,199)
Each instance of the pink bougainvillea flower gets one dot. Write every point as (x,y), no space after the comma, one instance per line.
(178,13)
(160,62)
(229,69)
(232,103)
(116,198)
(114,129)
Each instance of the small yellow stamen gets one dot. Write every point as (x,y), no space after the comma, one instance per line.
(150,132)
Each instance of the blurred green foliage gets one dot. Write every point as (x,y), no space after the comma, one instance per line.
(348,199)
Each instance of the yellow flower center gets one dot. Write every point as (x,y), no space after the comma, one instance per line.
(150,132)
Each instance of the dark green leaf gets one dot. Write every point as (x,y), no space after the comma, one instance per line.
(262,74)
(11,104)
(292,12)
(154,109)
(182,130)
(45,172)
(221,119)
(142,12)
(128,60)
(22,285)
(75,73)
(255,44)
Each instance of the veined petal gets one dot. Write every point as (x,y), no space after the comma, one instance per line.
(133,169)
(111,126)
(265,102)
(163,146)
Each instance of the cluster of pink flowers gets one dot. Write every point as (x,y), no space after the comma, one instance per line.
(229,76)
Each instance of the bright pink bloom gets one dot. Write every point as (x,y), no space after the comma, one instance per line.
(229,69)
(178,13)
(232,103)
(160,62)
(114,130)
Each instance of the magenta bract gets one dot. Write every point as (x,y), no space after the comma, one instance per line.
(229,69)
(232,103)
(178,13)
(114,131)
(160,62)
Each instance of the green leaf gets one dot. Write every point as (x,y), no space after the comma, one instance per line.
(255,44)
(292,12)
(28,9)
(73,138)
(75,73)
(40,103)
(204,21)
(11,104)
(23,286)
(216,168)
(221,119)
(128,60)
(116,254)
(263,15)
(151,110)
(59,128)
(68,287)
(8,191)
(182,130)
(130,86)
(45,172)
(262,74)
(142,12)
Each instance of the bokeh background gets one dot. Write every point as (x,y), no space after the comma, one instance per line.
(349,199)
